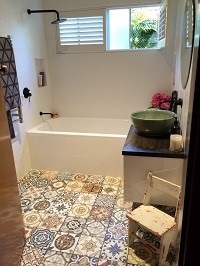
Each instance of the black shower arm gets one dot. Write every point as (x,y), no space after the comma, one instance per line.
(43,11)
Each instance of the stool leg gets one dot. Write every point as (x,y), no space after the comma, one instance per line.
(166,239)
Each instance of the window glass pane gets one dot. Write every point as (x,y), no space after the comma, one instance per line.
(144,27)
(118,29)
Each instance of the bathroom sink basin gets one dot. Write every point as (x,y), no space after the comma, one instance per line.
(153,122)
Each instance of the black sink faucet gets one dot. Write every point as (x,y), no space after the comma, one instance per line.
(174,102)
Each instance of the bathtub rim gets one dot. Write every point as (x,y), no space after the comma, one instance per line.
(35,130)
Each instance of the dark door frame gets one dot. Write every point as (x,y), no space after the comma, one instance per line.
(189,253)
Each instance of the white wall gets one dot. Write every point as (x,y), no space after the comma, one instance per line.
(28,43)
(110,84)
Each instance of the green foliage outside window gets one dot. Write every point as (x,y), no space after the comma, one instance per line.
(143,31)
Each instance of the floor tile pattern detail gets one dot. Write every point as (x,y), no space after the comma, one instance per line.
(77,220)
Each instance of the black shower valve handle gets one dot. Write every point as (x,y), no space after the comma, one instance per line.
(26,93)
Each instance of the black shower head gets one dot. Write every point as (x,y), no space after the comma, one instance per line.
(57,21)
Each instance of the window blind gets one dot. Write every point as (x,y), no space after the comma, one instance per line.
(82,31)
(162,25)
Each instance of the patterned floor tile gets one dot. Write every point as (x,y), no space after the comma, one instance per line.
(32,256)
(52,221)
(80,210)
(86,198)
(91,188)
(139,254)
(100,213)
(75,186)
(114,250)
(95,228)
(117,231)
(41,238)
(95,179)
(32,219)
(73,225)
(56,258)
(77,219)
(90,246)
(105,200)
(109,190)
(78,260)
(111,180)
(64,242)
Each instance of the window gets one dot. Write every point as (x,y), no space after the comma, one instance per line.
(137,28)
(99,30)
(82,31)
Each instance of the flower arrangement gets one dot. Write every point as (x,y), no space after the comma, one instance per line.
(157,100)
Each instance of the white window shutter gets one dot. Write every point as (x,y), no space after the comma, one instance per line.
(162,25)
(83,31)
(189,23)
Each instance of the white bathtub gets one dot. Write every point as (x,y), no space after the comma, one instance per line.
(87,145)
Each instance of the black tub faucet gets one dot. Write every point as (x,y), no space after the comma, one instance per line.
(41,113)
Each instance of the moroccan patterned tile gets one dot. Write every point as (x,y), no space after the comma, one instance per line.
(95,228)
(64,176)
(78,260)
(119,215)
(33,174)
(95,179)
(59,207)
(68,197)
(64,242)
(121,203)
(33,192)
(112,181)
(120,192)
(32,256)
(41,238)
(52,221)
(117,231)
(105,200)
(27,203)
(49,174)
(57,185)
(80,210)
(74,186)
(139,254)
(73,225)
(49,194)
(103,262)
(114,250)
(100,213)
(77,219)
(42,205)
(40,183)
(32,219)
(109,190)
(86,198)
(79,177)
(28,231)
(91,187)
(90,246)
(55,258)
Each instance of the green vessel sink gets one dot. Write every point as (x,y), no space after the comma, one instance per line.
(153,122)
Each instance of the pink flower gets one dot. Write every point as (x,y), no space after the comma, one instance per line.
(157,100)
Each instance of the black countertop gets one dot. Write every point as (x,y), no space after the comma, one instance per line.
(138,145)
